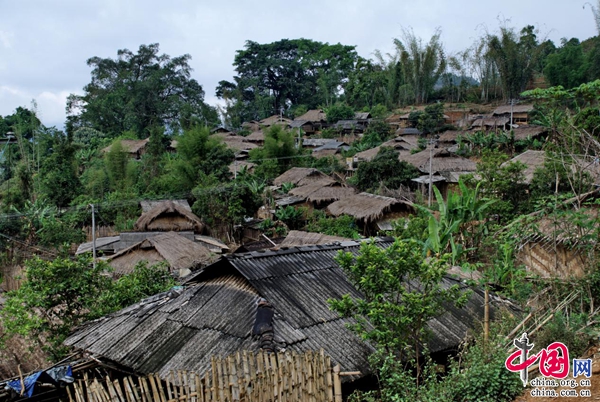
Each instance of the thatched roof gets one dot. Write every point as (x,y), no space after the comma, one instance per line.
(409,131)
(297,238)
(180,253)
(443,161)
(301,177)
(401,144)
(275,119)
(530,131)
(131,146)
(316,142)
(450,135)
(169,216)
(252,125)
(501,110)
(148,205)
(257,137)
(237,166)
(490,122)
(299,123)
(322,191)
(237,143)
(362,115)
(314,116)
(536,159)
(364,206)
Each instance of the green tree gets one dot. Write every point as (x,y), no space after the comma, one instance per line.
(58,295)
(402,292)
(516,57)
(339,111)
(422,65)
(289,72)
(136,91)
(279,146)
(567,67)
(385,169)
(58,172)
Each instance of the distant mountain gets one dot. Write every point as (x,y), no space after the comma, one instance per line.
(455,80)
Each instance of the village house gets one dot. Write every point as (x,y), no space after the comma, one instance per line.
(317,119)
(520,113)
(555,246)
(181,255)
(134,148)
(215,311)
(371,212)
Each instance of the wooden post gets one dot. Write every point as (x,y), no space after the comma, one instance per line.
(486,316)
(337,384)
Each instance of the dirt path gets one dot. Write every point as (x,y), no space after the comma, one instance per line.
(594,389)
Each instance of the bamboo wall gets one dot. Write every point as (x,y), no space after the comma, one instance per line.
(101,231)
(243,377)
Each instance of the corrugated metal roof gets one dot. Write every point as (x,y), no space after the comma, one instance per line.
(215,312)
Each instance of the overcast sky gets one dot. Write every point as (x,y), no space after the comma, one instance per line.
(44,44)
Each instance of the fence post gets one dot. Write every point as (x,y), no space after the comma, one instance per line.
(337,384)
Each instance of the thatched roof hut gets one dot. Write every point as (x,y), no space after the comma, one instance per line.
(313,116)
(365,207)
(506,109)
(302,176)
(182,255)
(275,120)
(321,192)
(135,148)
(257,137)
(523,132)
(169,216)
(490,123)
(403,145)
(536,159)
(296,238)
(442,161)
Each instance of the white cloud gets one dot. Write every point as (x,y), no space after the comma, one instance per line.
(50,105)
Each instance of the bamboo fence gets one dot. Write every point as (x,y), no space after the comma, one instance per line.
(243,377)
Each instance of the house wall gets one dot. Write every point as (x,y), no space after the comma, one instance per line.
(550,262)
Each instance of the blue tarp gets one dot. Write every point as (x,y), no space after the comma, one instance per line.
(53,376)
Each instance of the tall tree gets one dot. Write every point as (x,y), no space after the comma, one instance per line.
(516,57)
(568,66)
(136,91)
(285,73)
(422,64)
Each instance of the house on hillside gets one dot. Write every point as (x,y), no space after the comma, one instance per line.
(298,238)
(302,176)
(134,148)
(256,137)
(316,117)
(534,160)
(520,113)
(487,123)
(404,145)
(371,212)
(218,307)
(181,254)
(446,168)
(169,216)
(321,193)
(275,120)
(556,246)
(348,127)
